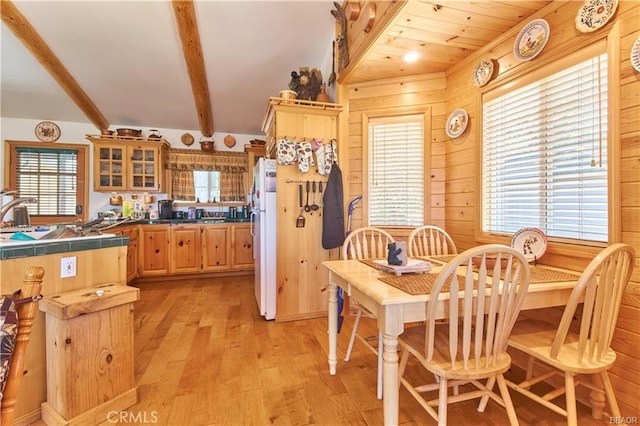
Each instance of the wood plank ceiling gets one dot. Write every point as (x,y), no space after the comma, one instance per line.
(442,33)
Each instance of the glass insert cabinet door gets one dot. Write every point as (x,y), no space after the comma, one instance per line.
(111,167)
(144,168)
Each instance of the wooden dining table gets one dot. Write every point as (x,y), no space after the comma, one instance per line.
(394,307)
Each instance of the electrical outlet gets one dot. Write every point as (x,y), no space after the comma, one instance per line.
(68,267)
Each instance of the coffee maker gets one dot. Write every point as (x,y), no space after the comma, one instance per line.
(165,209)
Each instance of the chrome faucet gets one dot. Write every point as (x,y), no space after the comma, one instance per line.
(4,209)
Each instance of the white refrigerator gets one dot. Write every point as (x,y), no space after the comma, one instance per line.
(263,229)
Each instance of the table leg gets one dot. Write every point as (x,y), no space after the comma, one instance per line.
(391,323)
(333,325)
(390,381)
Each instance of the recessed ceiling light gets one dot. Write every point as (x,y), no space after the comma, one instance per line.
(411,56)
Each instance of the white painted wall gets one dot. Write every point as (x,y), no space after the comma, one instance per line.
(74,133)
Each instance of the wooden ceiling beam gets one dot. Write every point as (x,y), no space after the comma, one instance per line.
(192,50)
(22,29)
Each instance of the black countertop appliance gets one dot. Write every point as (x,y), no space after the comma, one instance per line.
(165,209)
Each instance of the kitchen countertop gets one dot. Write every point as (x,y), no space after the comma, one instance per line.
(10,249)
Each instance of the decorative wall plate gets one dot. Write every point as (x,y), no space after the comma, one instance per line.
(531,40)
(531,242)
(635,55)
(187,139)
(483,72)
(594,14)
(229,141)
(457,123)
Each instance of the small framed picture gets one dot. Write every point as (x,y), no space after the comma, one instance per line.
(191,213)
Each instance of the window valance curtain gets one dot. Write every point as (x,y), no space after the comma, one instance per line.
(232,166)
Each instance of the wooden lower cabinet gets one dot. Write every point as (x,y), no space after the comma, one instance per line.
(242,246)
(133,233)
(185,249)
(194,248)
(154,250)
(216,248)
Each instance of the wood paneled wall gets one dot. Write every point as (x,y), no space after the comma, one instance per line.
(427,92)
(454,169)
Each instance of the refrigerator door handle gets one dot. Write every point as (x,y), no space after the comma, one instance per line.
(252,226)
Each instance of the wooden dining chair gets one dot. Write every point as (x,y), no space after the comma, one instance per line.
(471,345)
(430,240)
(583,350)
(14,341)
(366,243)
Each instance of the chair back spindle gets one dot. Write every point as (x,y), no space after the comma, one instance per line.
(366,243)
(430,240)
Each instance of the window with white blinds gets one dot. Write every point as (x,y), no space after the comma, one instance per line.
(51,176)
(545,155)
(396,170)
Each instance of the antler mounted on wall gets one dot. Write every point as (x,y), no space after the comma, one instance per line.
(343,48)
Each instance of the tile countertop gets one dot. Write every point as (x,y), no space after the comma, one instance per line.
(10,249)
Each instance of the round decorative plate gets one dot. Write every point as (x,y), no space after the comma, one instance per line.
(229,141)
(531,242)
(187,139)
(635,55)
(595,14)
(457,123)
(483,72)
(531,40)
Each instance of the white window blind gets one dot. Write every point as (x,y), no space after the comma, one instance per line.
(396,171)
(51,176)
(545,155)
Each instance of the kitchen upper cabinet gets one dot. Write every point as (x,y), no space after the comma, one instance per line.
(154,250)
(185,250)
(127,165)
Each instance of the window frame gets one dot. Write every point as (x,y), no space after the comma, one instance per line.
(209,186)
(82,190)
(419,110)
(561,60)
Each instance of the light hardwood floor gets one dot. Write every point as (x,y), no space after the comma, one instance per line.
(204,356)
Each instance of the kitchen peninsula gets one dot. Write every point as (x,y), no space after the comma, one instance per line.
(69,264)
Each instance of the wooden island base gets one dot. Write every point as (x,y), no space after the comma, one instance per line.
(89,341)
(103,264)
